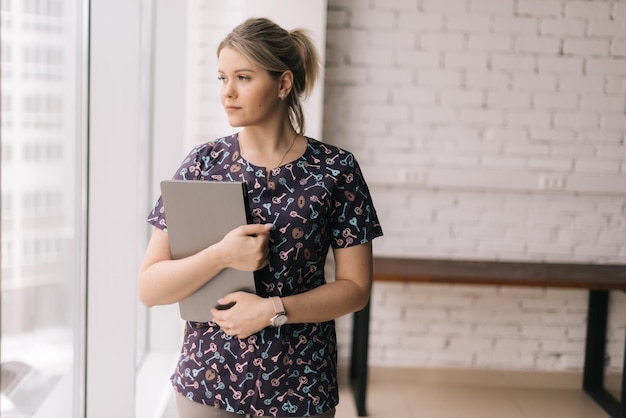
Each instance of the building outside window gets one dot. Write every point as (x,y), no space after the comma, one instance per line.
(42,229)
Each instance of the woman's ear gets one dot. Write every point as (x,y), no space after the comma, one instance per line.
(285,84)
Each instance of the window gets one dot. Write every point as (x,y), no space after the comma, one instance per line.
(42,328)
(43,164)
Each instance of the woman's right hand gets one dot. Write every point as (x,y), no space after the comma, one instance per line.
(246,247)
(162,280)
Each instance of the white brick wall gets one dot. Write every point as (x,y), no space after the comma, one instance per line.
(487,129)
(460,112)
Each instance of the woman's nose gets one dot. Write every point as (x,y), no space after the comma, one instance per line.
(228,90)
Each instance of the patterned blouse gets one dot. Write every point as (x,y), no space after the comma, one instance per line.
(317,201)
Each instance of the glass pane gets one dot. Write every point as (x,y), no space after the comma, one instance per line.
(41,231)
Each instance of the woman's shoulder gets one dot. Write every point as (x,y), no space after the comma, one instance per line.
(326,154)
(224,143)
(326,148)
(208,151)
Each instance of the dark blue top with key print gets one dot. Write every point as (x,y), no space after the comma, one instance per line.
(316,202)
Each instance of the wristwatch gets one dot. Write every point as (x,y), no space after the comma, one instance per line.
(280,316)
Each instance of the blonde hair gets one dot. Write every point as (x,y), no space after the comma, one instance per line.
(277,50)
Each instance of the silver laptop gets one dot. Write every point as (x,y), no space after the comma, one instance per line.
(199,214)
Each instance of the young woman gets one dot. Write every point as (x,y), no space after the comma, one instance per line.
(273,353)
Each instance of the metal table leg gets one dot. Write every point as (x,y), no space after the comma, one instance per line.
(595,352)
(358,361)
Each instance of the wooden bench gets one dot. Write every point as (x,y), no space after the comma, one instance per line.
(599,279)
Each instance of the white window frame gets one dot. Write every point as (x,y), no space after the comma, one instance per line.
(121,161)
(113,236)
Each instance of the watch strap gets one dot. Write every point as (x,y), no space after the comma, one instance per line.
(279,308)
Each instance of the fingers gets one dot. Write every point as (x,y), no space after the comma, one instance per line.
(244,318)
(256,229)
(266,256)
(246,247)
(228,326)
(229,299)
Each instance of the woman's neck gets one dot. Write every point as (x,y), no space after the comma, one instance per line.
(266,140)
(269,148)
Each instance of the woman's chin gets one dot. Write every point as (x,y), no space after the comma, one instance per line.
(235,122)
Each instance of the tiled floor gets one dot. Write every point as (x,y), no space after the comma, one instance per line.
(387,399)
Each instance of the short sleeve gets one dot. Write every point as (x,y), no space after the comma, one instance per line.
(189,169)
(354,219)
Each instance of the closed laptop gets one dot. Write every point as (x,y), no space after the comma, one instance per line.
(198,214)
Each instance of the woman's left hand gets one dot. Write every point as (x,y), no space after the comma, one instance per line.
(249,314)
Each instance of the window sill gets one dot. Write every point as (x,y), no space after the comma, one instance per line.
(153,388)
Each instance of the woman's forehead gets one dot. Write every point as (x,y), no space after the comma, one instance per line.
(231,60)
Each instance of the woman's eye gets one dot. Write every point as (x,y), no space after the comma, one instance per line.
(243,77)
(221,78)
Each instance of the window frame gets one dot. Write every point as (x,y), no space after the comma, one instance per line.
(113,206)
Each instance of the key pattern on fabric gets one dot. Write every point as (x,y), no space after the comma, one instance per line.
(318,201)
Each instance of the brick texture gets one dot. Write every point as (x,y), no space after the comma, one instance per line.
(458,111)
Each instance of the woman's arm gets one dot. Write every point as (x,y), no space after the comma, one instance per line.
(348,293)
(162,280)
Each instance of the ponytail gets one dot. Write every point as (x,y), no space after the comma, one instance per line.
(310,59)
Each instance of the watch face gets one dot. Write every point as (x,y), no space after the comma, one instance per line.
(279,320)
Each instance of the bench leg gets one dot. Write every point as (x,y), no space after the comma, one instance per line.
(623,392)
(595,352)
(358,361)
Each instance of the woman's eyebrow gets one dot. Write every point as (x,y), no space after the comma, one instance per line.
(240,70)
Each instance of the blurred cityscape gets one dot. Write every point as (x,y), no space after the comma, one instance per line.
(39,187)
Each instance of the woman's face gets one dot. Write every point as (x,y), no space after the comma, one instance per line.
(249,94)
